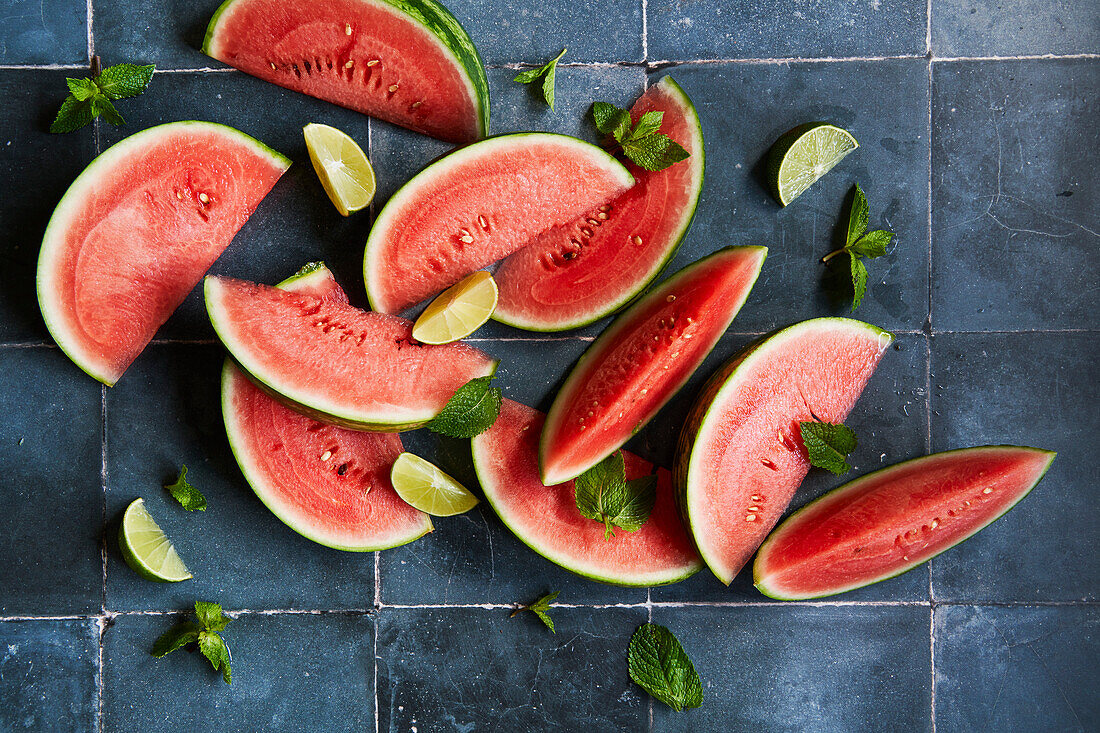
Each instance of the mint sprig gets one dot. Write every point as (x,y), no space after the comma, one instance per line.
(604,495)
(187,495)
(659,664)
(92,98)
(860,243)
(205,632)
(472,410)
(641,143)
(540,608)
(548,72)
(828,445)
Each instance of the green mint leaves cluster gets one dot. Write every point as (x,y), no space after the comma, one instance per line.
(187,495)
(860,243)
(642,143)
(540,608)
(828,445)
(604,494)
(92,98)
(205,632)
(659,664)
(548,72)
(472,410)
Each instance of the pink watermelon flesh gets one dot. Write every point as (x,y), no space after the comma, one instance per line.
(642,360)
(137,230)
(742,456)
(581,271)
(892,520)
(345,365)
(478,205)
(547,519)
(306,47)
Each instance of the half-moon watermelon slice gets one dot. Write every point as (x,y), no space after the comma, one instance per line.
(741,455)
(577,273)
(136,231)
(643,358)
(327,483)
(894,519)
(477,205)
(408,62)
(335,362)
(547,520)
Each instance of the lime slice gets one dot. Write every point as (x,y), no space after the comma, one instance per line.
(428,489)
(342,167)
(146,548)
(458,311)
(805,154)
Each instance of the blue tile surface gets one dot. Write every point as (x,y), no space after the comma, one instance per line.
(167,33)
(48,675)
(44,32)
(1015,27)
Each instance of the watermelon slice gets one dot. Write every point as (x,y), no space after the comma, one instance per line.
(404,61)
(890,521)
(136,231)
(741,455)
(643,358)
(335,362)
(546,519)
(478,204)
(327,483)
(577,273)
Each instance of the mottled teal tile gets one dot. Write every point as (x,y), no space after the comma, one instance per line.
(1015,27)
(44,32)
(48,675)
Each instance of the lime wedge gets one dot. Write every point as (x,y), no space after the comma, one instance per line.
(428,489)
(805,154)
(146,548)
(342,167)
(458,311)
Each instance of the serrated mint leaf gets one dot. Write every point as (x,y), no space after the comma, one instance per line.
(187,495)
(640,496)
(603,494)
(540,608)
(858,217)
(654,152)
(859,281)
(548,72)
(102,106)
(124,80)
(213,647)
(472,410)
(82,89)
(175,638)
(828,445)
(872,244)
(660,666)
(91,98)
(73,115)
(210,616)
(205,632)
(648,124)
(860,243)
(610,120)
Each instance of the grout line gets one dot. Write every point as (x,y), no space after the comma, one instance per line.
(90,16)
(377,622)
(649,618)
(103,489)
(1026,57)
(199,70)
(377,579)
(44,67)
(101,627)
(932,655)
(928,29)
(645,40)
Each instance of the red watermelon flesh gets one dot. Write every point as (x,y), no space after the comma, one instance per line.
(371,56)
(741,456)
(547,520)
(137,230)
(642,360)
(579,272)
(894,519)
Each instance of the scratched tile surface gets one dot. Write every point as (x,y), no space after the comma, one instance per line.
(982,163)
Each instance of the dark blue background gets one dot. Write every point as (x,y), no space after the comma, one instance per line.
(977,147)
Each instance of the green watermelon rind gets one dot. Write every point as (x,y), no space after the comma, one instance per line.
(855,484)
(723,381)
(699,161)
(433,16)
(442,166)
(624,321)
(84,184)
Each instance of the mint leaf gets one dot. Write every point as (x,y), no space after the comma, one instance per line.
(603,494)
(540,608)
(210,616)
(659,664)
(101,105)
(648,124)
(82,89)
(548,71)
(828,445)
(91,98)
(640,496)
(610,120)
(73,115)
(858,217)
(187,495)
(642,144)
(860,243)
(176,637)
(654,152)
(872,244)
(859,280)
(204,632)
(472,410)
(124,80)
(213,648)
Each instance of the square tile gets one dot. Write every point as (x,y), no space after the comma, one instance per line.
(168,33)
(788,667)
(44,32)
(38,167)
(1014,221)
(291,672)
(1037,389)
(1015,27)
(49,675)
(744,109)
(685,30)
(476,669)
(1018,668)
(164,413)
(50,460)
